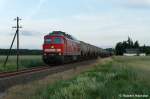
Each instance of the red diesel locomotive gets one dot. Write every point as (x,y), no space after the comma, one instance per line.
(60,47)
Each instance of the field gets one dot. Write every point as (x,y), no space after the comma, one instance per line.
(113,78)
(26,61)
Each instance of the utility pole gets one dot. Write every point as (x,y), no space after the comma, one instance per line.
(17,31)
(16,34)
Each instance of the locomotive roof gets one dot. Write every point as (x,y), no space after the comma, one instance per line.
(60,33)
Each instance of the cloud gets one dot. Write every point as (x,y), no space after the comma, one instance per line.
(106,29)
(36,9)
(137,3)
(102,23)
(98,29)
(30,33)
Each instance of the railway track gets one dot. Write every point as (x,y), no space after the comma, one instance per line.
(13,73)
(9,79)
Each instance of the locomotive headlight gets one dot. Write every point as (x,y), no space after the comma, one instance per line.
(52,46)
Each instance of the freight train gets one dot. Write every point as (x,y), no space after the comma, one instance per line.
(59,48)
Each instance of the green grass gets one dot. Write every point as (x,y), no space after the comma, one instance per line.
(26,61)
(107,81)
(112,78)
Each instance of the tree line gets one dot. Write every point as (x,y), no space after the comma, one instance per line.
(129,44)
(21,51)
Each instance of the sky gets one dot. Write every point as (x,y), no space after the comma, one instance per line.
(99,22)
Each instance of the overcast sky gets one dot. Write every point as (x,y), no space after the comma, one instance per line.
(99,22)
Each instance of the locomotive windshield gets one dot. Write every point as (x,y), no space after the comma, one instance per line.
(48,41)
(58,40)
(55,40)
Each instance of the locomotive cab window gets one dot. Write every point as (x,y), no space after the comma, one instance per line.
(58,41)
(48,41)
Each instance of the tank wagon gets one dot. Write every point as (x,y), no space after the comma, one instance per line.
(60,48)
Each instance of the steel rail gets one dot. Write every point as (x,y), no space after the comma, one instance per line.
(13,73)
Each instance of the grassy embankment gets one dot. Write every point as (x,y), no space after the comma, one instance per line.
(26,61)
(109,80)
